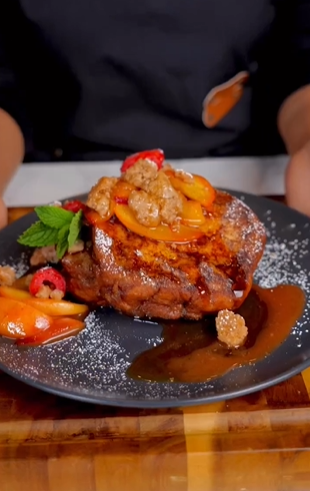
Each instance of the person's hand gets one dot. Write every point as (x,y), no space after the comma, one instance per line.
(298,180)
(3,214)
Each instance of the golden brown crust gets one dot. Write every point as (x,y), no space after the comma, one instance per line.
(143,277)
(99,198)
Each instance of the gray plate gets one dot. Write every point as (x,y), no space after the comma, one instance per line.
(92,366)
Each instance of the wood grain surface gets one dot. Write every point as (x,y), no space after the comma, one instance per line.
(259,442)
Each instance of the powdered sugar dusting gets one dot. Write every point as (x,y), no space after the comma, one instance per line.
(283,263)
(20,266)
(93,364)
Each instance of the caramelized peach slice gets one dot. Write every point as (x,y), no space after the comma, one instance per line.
(22,283)
(192,214)
(161,233)
(19,320)
(121,192)
(93,218)
(199,189)
(61,328)
(57,308)
(13,293)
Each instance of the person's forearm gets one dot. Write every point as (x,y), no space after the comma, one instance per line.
(294,120)
(12,148)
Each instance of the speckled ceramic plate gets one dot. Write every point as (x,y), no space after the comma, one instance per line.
(92,366)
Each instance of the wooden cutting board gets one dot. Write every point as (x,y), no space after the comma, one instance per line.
(253,443)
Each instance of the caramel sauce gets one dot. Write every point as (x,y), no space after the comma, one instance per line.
(190,351)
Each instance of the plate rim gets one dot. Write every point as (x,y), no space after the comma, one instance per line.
(175,402)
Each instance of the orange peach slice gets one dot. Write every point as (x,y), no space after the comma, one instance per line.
(121,192)
(60,329)
(192,214)
(56,308)
(160,233)
(22,283)
(93,218)
(199,189)
(13,293)
(19,320)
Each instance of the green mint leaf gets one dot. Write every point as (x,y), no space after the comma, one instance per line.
(38,235)
(75,228)
(62,242)
(54,217)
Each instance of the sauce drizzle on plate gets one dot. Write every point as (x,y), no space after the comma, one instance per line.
(190,351)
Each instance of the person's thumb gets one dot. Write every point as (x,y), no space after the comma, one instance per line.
(3,214)
(297,180)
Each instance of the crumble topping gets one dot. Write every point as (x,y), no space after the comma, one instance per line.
(231,328)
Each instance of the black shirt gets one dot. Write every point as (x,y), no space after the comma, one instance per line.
(92,79)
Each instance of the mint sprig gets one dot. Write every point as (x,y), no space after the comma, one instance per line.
(39,235)
(53,216)
(75,228)
(62,241)
(56,226)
